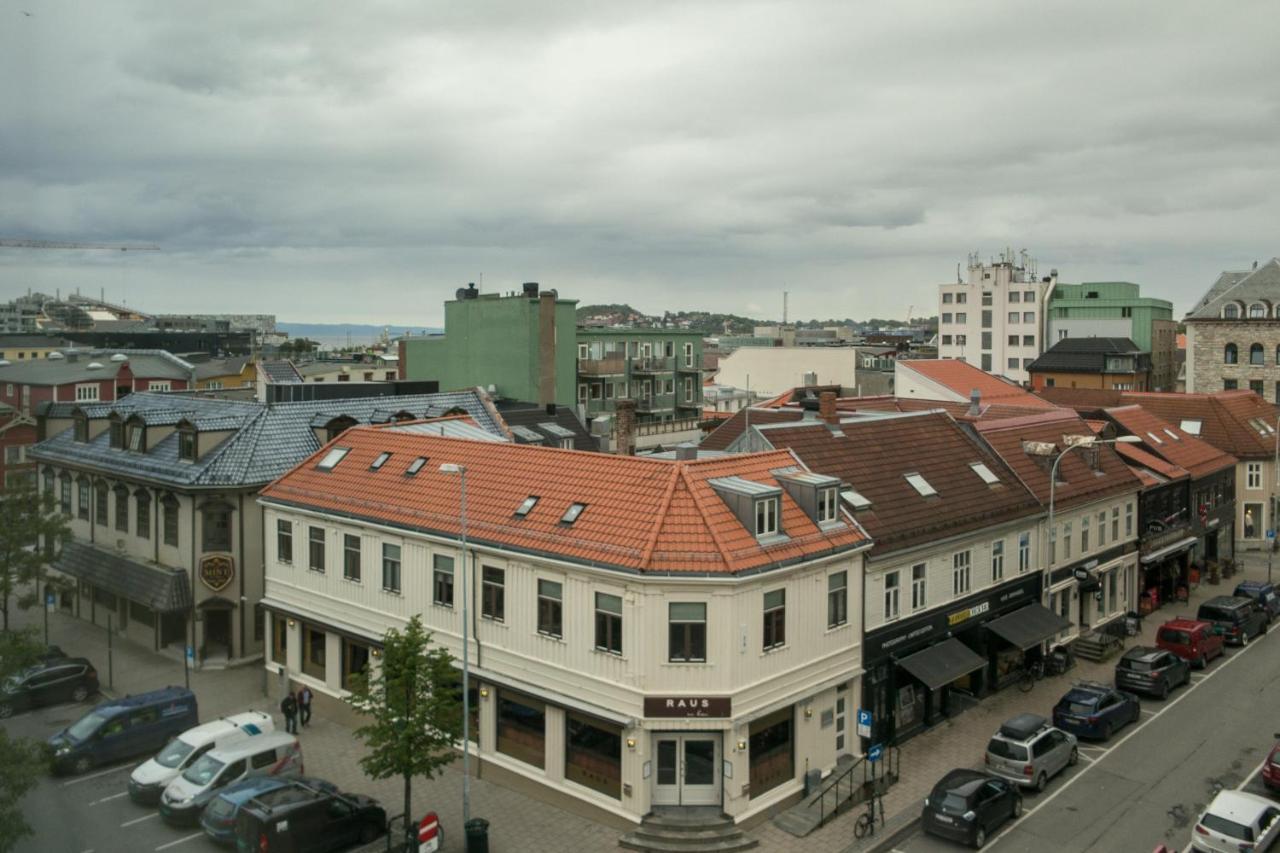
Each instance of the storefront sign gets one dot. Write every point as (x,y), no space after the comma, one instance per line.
(688,706)
(1082,574)
(965,615)
(217,572)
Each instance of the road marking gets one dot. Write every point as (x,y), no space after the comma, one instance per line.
(97,775)
(181,841)
(1227,661)
(1148,711)
(108,799)
(139,819)
(1087,757)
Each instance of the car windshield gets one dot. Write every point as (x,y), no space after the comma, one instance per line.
(174,753)
(1004,749)
(86,726)
(202,772)
(952,803)
(1223,826)
(1180,638)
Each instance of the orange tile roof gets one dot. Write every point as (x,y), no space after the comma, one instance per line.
(961,378)
(1171,443)
(1226,418)
(648,515)
(1139,457)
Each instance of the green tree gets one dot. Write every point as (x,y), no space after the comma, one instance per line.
(414,710)
(27,518)
(18,650)
(21,764)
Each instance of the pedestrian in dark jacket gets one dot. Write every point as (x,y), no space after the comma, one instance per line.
(289,707)
(304,704)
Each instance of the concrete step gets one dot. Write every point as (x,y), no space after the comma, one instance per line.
(687,831)
(688,822)
(680,836)
(733,845)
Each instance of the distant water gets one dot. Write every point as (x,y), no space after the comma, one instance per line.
(338,335)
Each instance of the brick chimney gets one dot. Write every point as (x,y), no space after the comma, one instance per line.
(827,407)
(625,427)
(975,403)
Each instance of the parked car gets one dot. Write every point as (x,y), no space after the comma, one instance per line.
(123,728)
(1192,640)
(1263,595)
(1156,672)
(48,683)
(219,817)
(303,819)
(1095,710)
(1271,769)
(1236,619)
(1027,751)
(151,777)
(967,806)
(1236,821)
(276,754)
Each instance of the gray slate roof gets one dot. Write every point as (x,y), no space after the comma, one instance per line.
(1088,355)
(144,364)
(220,366)
(280,371)
(267,440)
(1245,287)
(162,588)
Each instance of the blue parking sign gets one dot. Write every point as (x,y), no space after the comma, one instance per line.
(864,723)
(874,753)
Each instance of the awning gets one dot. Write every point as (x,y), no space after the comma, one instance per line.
(1028,626)
(1180,545)
(161,588)
(942,663)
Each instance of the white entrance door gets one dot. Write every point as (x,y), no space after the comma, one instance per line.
(688,771)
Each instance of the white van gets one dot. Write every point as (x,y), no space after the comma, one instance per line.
(150,778)
(276,754)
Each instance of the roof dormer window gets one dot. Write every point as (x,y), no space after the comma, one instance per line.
(1191,427)
(116,431)
(572,513)
(1257,311)
(767,517)
(332,458)
(137,436)
(81,427)
(987,475)
(415,466)
(380,461)
(828,509)
(187,444)
(921,485)
(526,506)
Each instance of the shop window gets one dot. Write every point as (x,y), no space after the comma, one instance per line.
(104,599)
(686,632)
(837,599)
(593,754)
(442,580)
(609,623)
(169,504)
(284,541)
(1253,521)
(772,751)
(522,728)
(215,527)
(351,557)
(391,568)
(550,608)
(1113,602)
(313,651)
(493,594)
(142,509)
(775,619)
(355,660)
(122,508)
(279,639)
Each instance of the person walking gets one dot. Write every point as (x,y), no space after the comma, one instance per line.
(304,704)
(289,707)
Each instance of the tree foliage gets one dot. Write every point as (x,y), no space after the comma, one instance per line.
(19,650)
(27,518)
(22,762)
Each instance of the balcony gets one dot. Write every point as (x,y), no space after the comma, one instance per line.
(688,367)
(652,364)
(655,403)
(602,367)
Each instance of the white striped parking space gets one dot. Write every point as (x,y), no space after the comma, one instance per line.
(110,798)
(98,775)
(139,819)
(190,837)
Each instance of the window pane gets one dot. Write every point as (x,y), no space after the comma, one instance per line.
(688,612)
(609,603)
(776,598)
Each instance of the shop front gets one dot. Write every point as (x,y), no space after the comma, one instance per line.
(925,669)
(1166,568)
(1090,593)
(687,764)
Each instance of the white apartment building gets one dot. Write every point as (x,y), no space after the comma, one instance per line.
(996,321)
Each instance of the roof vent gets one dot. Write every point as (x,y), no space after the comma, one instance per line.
(56,356)
(94,365)
(4,362)
(975,403)
(530,288)
(686,451)
(119,357)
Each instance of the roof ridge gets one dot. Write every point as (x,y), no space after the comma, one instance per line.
(663,505)
(725,554)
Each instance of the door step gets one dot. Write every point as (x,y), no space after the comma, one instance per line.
(687,831)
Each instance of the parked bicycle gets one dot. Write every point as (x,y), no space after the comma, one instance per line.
(866,823)
(1029,674)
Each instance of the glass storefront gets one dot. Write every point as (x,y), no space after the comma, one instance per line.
(522,728)
(355,659)
(593,753)
(279,639)
(772,750)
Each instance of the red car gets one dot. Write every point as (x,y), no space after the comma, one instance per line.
(1271,770)
(1191,639)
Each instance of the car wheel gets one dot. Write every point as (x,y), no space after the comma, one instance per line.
(368,833)
(6,710)
(82,764)
(979,838)
(1164,690)
(80,694)
(1244,639)
(1137,713)
(1041,781)
(1075,757)
(1017,807)
(1201,663)
(1106,731)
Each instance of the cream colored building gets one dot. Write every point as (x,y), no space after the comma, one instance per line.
(769,371)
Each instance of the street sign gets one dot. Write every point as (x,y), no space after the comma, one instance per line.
(50,600)
(429,834)
(874,753)
(191,653)
(864,723)
(1271,534)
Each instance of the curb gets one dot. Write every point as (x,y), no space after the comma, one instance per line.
(896,828)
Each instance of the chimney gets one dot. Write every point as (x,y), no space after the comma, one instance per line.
(975,403)
(551,409)
(547,348)
(686,452)
(1255,265)
(810,379)
(625,430)
(827,407)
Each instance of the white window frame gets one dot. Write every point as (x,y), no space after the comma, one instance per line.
(828,505)
(892,590)
(87,392)
(997,560)
(919,586)
(961,572)
(1253,476)
(766,510)
(1024,552)
(159,385)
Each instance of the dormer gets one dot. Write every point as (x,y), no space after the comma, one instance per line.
(817,494)
(115,423)
(135,434)
(86,428)
(188,441)
(758,506)
(328,427)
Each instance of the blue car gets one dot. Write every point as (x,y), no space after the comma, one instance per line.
(1092,710)
(219,817)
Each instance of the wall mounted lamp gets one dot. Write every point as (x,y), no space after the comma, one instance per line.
(484,692)
(292,623)
(742,745)
(631,743)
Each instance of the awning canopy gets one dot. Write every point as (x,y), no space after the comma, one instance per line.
(1180,545)
(1028,626)
(159,587)
(942,663)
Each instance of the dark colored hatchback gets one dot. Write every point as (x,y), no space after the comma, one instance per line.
(48,683)
(1095,710)
(1152,671)
(967,806)
(219,817)
(1236,619)
(1263,595)
(304,819)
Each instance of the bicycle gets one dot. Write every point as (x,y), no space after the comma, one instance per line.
(1029,675)
(866,823)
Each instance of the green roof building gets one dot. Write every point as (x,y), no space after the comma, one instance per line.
(1116,309)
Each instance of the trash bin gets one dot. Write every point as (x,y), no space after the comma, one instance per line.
(477,835)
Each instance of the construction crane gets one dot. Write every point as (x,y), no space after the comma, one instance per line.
(23,243)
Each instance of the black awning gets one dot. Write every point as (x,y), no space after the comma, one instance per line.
(942,663)
(159,587)
(1028,626)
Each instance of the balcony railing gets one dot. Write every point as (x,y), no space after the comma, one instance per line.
(655,403)
(602,366)
(652,364)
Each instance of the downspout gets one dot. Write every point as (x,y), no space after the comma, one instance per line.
(193,579)
(243,603)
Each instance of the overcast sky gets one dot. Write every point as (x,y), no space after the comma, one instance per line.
(359,161)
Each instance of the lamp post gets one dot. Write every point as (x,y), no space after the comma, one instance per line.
(1275,481)
(461,471)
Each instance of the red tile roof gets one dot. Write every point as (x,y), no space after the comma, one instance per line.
(1084,400)
(641,514)
(727,432)
(961,378)
(1171,442)
(1225,415)
(1141,461)
(1081,483)
(873,456)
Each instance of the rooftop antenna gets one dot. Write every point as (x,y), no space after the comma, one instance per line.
(784,307)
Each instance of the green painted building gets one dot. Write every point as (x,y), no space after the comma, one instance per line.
(1116,309)
(661,369)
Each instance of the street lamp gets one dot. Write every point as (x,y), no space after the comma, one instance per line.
(461,471)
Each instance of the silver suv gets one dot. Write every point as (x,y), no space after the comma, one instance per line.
(1028,751)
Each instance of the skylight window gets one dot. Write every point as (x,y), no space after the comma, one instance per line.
(571,514)
(1191,427)
(1172,434)
(333,457)
(1155,437)
(854,499)
(416,465)
(981,469)
(380,461)
(921,485)
(529,504)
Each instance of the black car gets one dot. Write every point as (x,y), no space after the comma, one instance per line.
(1263,595)
(1153,671)
(48,683)
(1234,617)
(301,818)
(967,806)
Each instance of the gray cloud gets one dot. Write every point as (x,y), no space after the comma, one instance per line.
(361,160)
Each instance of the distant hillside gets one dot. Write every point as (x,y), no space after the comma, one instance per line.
(700,321)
